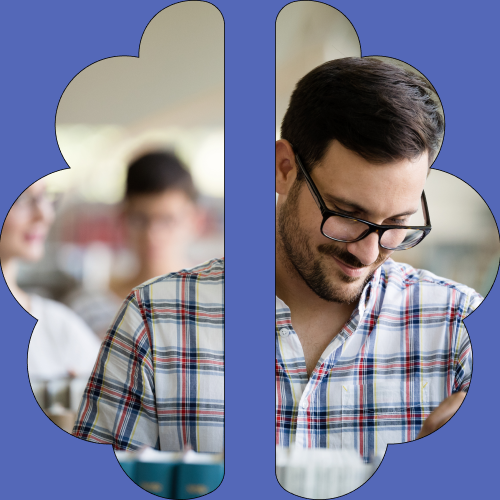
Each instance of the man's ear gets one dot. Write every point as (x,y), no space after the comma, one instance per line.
(286,170)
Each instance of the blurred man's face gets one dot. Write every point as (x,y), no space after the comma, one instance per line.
(160,226)
(349,184)
(27,224)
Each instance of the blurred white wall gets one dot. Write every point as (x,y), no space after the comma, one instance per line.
(172,96)
(181,60)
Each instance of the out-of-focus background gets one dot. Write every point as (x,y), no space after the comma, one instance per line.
(172,97)
(307,35)
(464,243)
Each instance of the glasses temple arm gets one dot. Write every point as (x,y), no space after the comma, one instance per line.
(426,210)
(311,185)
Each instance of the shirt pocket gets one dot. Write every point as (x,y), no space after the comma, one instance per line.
(375,415)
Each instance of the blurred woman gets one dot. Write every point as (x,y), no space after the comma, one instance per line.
(161,219)
(61,344)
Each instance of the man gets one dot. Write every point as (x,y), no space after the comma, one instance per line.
(159,377)
(366,347)
(161,219)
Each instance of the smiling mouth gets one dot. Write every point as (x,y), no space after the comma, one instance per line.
(34,237)
(353,272)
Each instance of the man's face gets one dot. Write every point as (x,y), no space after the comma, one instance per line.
(160,225)
(336,271)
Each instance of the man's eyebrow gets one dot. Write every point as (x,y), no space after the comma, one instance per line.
(355,208)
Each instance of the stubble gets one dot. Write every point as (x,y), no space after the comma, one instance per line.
(298,257)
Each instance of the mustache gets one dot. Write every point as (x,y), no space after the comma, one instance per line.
(342,255)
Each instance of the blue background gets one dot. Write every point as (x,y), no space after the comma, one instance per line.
(45,44)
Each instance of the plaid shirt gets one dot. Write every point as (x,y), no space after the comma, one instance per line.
(403,351)
(159,376)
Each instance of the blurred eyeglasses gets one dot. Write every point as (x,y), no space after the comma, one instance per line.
(142,222)
(43,201)
(347,229)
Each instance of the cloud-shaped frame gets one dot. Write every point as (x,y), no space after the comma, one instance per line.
(304,34)
(309,33)
(177,82)
(56,40)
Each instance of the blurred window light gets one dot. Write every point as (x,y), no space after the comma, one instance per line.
(99,156)
(208,165)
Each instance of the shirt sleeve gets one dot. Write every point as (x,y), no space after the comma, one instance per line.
(118,406)
(463,350)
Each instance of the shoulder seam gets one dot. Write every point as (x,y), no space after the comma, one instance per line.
(455,286)
(208,266)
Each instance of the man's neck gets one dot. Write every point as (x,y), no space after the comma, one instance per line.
(122,287)
(315,320)
(302,301)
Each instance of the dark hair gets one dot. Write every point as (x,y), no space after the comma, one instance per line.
(157,172)
(378,110)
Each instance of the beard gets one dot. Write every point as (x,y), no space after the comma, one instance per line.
(332,286)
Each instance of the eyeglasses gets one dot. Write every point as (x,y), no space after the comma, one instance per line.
(141,222)
(347,229)
(43,201)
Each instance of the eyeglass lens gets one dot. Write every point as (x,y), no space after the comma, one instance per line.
(347,230)
(44,200)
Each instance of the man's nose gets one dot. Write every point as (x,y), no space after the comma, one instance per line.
(151,230)
(366,250)
(42,211)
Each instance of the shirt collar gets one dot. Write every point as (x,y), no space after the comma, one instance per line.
(283,316)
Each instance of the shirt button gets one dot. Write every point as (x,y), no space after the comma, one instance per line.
(304,405)
(284,332)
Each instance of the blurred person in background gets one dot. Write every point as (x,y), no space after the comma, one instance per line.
(161,218)
(159,378)
(164,350)
(61,345)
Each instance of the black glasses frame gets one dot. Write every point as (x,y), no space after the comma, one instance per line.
(372,228)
